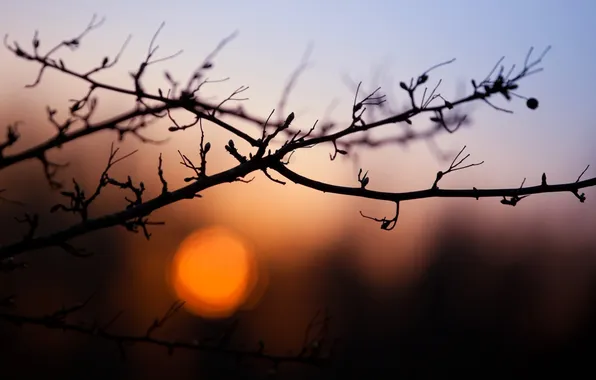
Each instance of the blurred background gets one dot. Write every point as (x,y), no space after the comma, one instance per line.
(459,287)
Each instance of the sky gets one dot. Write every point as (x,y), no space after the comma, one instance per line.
(378,42)
(353,38)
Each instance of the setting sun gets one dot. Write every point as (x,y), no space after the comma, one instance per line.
(214,271)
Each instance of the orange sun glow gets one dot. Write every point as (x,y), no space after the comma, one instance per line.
(214,271)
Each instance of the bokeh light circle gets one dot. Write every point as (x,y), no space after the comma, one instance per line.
(214,271)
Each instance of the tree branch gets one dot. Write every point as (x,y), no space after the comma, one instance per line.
(431,192)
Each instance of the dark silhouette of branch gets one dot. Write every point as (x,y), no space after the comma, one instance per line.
(265,158)
(431,192)
(268,149)
(134,212)
(312,352)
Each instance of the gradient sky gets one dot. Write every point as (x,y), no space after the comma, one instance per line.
(353,38)
(399,39)
(380,42)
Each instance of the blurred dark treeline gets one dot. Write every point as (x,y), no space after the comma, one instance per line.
(471,313)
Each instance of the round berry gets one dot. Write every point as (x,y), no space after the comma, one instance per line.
(532,103)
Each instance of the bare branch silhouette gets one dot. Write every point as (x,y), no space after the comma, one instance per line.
(272,144)
(314,351)
(264,159)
